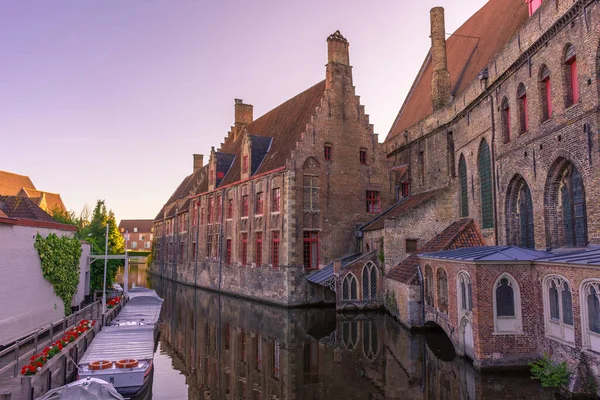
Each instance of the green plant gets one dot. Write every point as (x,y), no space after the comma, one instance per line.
(549,373)
(60,264)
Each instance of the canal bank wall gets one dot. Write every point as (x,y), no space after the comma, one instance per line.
(285,286)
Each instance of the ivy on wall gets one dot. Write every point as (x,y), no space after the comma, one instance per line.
(60,264)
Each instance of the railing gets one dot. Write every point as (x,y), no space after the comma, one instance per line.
(64,362)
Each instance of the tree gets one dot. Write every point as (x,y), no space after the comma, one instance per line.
(95,233)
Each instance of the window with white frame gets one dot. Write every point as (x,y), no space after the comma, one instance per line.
(558,308)
(465,297)
(350,288)
(507,305)
(590,314)
(369,281)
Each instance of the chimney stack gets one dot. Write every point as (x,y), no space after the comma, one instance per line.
(198,161)
(243,115)
(440,79)
(337,49)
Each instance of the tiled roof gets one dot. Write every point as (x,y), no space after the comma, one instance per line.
(194,183)
(11,184)
(460,234)
(23,208)
(401,207)
(142,225)
(469,49)
(285,123)
(45,200)
(488,253)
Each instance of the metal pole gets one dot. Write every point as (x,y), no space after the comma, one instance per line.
(105,266)
(126,272)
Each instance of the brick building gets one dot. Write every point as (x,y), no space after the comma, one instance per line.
(12,184)
(281,197)
(140,231)
(501,126)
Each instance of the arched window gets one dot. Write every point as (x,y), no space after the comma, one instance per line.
(350,334)
(558,308)
(369,281)
(428,286)
(519,214)
(507,305)
(484,162)
(523,110)
(369,339)
(545,93)
(465,299)
(442,291)
(571,80)
(590,314)
(505,120)
(311,184)
(350,288)
(464,191)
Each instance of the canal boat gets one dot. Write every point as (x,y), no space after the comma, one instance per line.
(88,388)
(122,353)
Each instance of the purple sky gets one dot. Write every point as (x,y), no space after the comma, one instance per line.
(108,99)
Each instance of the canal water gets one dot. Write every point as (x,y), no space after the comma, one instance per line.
(219,347)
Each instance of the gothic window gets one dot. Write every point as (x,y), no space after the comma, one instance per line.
(519,214)
(450,151)
(507,305)
(485,181)
(558,308)
(464,191)
(523,109)
(311,185)
(442,291)
(545,93)
(571,80)
(350,288)
(572,199)
(428,286)
(465,292)
(590,314)
(369,281)
(505,108)
(369,339)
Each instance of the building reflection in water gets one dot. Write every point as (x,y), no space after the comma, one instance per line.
(229,348)
(138,275)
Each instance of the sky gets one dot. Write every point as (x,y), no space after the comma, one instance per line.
(109,99)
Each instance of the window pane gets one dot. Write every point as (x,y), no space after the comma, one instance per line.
(485,178)
(567,305)
(594,311)
(373,282)
(365,283)
(345,289)
(505,302)
(463,294)
(553,296)
(464,192)
(353,288)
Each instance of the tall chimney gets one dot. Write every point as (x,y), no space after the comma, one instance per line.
(337,49)
(198,161)
(243,115)
(440,79)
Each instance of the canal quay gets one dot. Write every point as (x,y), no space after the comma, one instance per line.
(221,347)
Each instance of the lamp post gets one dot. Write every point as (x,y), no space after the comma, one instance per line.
(105,266)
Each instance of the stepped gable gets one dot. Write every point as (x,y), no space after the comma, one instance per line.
(469,49)
(408,203)
(460,234)
(23,208)
(284,124)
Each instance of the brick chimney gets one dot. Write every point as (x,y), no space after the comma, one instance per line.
(198,161)
(243,115)
(338,61)
(440,79)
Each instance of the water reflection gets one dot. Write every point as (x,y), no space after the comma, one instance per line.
(138,275)
(229,348)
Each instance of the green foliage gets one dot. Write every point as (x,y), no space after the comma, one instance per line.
(60,264)
(95,233)
(549,373)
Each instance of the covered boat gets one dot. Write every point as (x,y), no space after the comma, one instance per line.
(86,389)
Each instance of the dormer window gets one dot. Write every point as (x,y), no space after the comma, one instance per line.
(328,151)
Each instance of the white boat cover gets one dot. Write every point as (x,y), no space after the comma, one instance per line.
(87,389)
(115,343)
(141,310)
(141,291)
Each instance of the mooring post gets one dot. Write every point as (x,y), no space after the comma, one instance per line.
(26,390)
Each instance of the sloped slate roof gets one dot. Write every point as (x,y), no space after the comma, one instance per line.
(469,49)
(23,208)
(260,146)
(284,124)
(462,233)
(581,257)
(11,184)
(489,253)
(408,203)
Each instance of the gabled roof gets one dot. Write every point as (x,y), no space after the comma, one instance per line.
(407,203)
(489,253)
(462,233)
(284,124)
(11,184)
(47,201)
(142,225)
(23,208)
(469,49)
